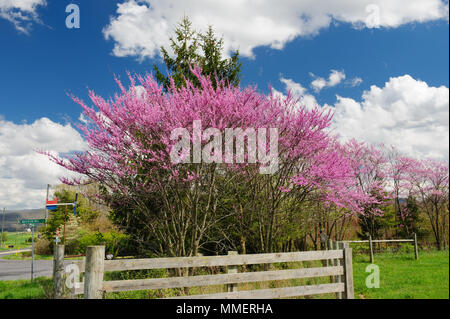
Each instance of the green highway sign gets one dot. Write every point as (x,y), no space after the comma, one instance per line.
(32,221)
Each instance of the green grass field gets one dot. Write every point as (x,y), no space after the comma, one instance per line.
(19,240)
(22,289)
(401,277)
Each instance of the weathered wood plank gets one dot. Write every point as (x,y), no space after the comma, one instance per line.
(232,270)
(337,262)
(58,271)
(79,290)
(371,249)
(272,293)
(392,240)
(81,264)
(95,257)
(208,280)
(209,261)
(348,273)
(343,245)
(416,250)
(381,241)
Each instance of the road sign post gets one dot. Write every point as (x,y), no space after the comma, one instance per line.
(46,210)
(32,252)
(32,223)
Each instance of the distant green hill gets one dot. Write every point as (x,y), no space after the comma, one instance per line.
(12,218)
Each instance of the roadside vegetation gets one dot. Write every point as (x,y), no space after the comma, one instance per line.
(27,256)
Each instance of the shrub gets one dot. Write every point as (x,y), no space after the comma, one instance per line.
(113,241)
(43,246)
(360,248)
(405,248)
(26,254)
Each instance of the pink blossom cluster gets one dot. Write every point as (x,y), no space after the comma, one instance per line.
(129,145)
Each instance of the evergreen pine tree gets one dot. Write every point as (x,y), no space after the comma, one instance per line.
(191,49)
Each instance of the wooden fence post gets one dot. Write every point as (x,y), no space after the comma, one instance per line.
(94,268)
(232,270)
(416,250)
(371,248)
(348,272)
(337,263)
(58,271)
(330,262)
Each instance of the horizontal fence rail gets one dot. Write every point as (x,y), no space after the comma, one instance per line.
(209,280)
(273,293)
(211,261)
(371,241)
(340,270)
(381,241)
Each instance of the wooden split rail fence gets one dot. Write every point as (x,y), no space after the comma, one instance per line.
(372,241)
(338,261)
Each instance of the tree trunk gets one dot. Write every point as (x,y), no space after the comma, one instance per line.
(243,245)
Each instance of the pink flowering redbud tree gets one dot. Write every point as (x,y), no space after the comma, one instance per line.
(334,209)
(371,167)
(162,164)
(427,180)
(404,201)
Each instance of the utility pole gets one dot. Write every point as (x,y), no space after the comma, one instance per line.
(65,217)
(3,223)
(32,252)
(46,210)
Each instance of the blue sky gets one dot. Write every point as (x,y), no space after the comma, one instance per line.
(376,67)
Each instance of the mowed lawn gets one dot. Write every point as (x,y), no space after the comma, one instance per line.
(23,289)
(18,240)
(401,277)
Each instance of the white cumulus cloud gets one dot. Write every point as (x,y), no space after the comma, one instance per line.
(297,90)
(406,112)
(22,13)
(334,79)
(24,173)
(355,81)
(140,27)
